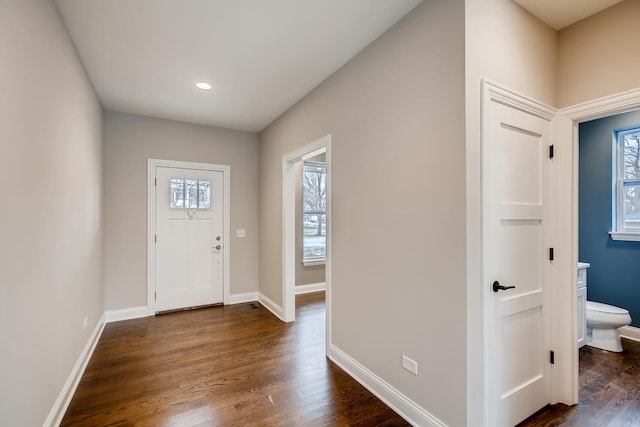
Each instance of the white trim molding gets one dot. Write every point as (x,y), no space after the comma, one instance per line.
(242,298)
(630,332)
(611,105)
(66,394)
(405,407)
(127,314)
(501,95)
(314,262)
(311,287)
(627,236)
(271,306)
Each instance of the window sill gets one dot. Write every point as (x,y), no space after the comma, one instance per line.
(627,236)
(312,262)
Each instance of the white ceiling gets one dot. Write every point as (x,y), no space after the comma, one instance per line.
(144,56)
(562,13)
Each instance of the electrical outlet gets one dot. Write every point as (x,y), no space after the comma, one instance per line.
(85,323)
(410,365)
(240,233)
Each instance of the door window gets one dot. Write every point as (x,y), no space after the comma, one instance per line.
(190,193)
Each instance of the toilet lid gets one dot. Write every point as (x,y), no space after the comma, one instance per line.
(605,308)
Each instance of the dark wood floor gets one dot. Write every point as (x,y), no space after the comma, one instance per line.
(609,392)
(224,366)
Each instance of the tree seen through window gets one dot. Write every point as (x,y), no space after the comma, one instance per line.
(314,211)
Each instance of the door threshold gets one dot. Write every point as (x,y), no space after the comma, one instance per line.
(197,307)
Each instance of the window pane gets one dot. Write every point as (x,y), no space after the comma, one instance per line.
(191,190)
(314,240)
(314,188)
(632,204)
(314,206)
(176,195)
(204,194)
(631,148)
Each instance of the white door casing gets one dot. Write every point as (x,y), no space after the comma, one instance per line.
(322,145)
(516,225)
(188,258)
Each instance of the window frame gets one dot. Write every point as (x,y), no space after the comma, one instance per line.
(619,231)
(313,260)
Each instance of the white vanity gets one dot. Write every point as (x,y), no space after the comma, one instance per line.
(582,302)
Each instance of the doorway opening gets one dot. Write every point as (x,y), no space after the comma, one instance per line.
(568,124)
(291,164)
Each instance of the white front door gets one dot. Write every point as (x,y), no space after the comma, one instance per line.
(189,238)
(516,252)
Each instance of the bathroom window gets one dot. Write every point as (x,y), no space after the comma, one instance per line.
(626,216)
(314,213)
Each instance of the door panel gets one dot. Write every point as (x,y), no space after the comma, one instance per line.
(189,265)
(203,268)
(515,253)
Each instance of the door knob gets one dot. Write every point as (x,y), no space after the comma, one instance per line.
(498,287)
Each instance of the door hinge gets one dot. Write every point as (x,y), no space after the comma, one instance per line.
(155,180)
(155,238)
(551,151)
(551,255)
(155,295)
(552,357)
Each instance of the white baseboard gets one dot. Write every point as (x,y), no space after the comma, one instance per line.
(630,332)
(127,313)
(397,401)
(312,287)
(271,306)
(242,298)
(66,394)
(143,310)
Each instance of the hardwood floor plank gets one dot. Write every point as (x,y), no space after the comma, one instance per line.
(609,392)
(233,365)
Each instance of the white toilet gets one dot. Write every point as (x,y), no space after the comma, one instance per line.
(603,321)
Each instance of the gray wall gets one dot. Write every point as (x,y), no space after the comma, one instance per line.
(597,56)
(398,232)
(51,210)
(613,277)
(129,141)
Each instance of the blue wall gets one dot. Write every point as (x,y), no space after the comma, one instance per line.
(614,276)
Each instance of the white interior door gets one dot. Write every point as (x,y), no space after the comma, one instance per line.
(189,238)
(516,253)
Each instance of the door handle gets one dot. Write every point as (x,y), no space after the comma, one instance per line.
(217,247)
(498,287)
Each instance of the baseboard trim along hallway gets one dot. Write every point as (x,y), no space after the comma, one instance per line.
(397,401)
(127,314)
(66,394)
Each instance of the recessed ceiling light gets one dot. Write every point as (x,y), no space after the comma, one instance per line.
(204,85)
